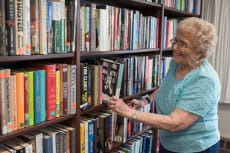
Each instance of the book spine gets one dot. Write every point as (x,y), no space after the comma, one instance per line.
(37,97)
(8,100)
(56,27)
(93,28)
(34,26)
(26,26)
(74,24)
(30,97)
(20,99)
(60,68)
(82,138)
(89,86)
(3,51)
(26,100)
(68,19)
(87,28)
(62,26)
(43,94)
(58,93)
(13,101)
(49,26)
(73,90)
(50,91)
(69,88)
(10,26)
(3,117)
(65,88)
(43,27)
(82,28)
(19,27)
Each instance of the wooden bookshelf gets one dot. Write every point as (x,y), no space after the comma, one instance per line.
(101,106)
(4,59)
(35,127)
(117,145)
(172,12)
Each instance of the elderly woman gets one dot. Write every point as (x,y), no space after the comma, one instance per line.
(187,101)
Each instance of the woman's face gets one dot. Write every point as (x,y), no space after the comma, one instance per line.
(184,51)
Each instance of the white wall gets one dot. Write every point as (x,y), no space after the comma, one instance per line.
(224,120)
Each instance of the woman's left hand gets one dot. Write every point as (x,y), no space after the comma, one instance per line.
(119,106)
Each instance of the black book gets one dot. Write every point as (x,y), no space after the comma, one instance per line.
(84,86)
(3,51)
(90,86)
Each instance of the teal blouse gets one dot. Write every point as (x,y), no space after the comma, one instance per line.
(198,92)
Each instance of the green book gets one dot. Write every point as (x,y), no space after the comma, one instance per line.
(30,97)
(62,26)
(56,27)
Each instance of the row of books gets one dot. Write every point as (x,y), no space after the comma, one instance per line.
(121,77)
(100,130)
(37,27)
(32,95)
(54,139)
(108,28)
(191,6)
(169,31)
(141,144)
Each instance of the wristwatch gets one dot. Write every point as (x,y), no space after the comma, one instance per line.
(134,116)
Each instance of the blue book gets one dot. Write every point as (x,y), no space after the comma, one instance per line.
(90,136)
(47,144)
(164,31)
(43,95)
(49,26)
(144,143)
(37,97)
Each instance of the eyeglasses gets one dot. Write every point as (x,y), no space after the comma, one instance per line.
(180,44)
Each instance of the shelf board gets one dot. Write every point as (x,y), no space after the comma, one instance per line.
(4,59)
(35,127)
(128,3)
(167,52)
(117,145)
(172,12)
(117,53)
(100,106)
(140,93)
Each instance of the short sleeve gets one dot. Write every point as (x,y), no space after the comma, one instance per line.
(198,96)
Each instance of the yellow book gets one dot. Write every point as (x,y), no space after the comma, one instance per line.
(82,138)
(58,80)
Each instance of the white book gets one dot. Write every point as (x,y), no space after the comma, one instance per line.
(43,26)
(26,26)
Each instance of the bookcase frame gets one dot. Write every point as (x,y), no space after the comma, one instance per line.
(75,58)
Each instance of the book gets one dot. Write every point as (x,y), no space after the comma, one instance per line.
(26,26)
(42,26)
(13,101)
(4,122)
(26,100)
(30,97)
(72,85)
(10,26)
(34,25)
(19,4)
(20,99)
(37,96)
(58,80)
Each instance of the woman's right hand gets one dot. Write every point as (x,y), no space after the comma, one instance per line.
(137,103)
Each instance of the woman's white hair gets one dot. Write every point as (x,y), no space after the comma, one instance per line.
(203,32)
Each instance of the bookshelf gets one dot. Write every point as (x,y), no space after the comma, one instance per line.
(147,8)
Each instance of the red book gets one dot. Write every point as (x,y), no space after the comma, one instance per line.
(157,33)
(115,27)
(167,35)
(26,100)
(50,89)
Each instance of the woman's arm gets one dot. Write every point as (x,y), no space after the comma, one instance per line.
(177,120)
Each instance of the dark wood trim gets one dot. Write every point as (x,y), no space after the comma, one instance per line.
(135,4)
(120,52)
(35,127)
(5,59)
(167,52)
(100,106)
(78,78)
(117,145)
(172,12)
